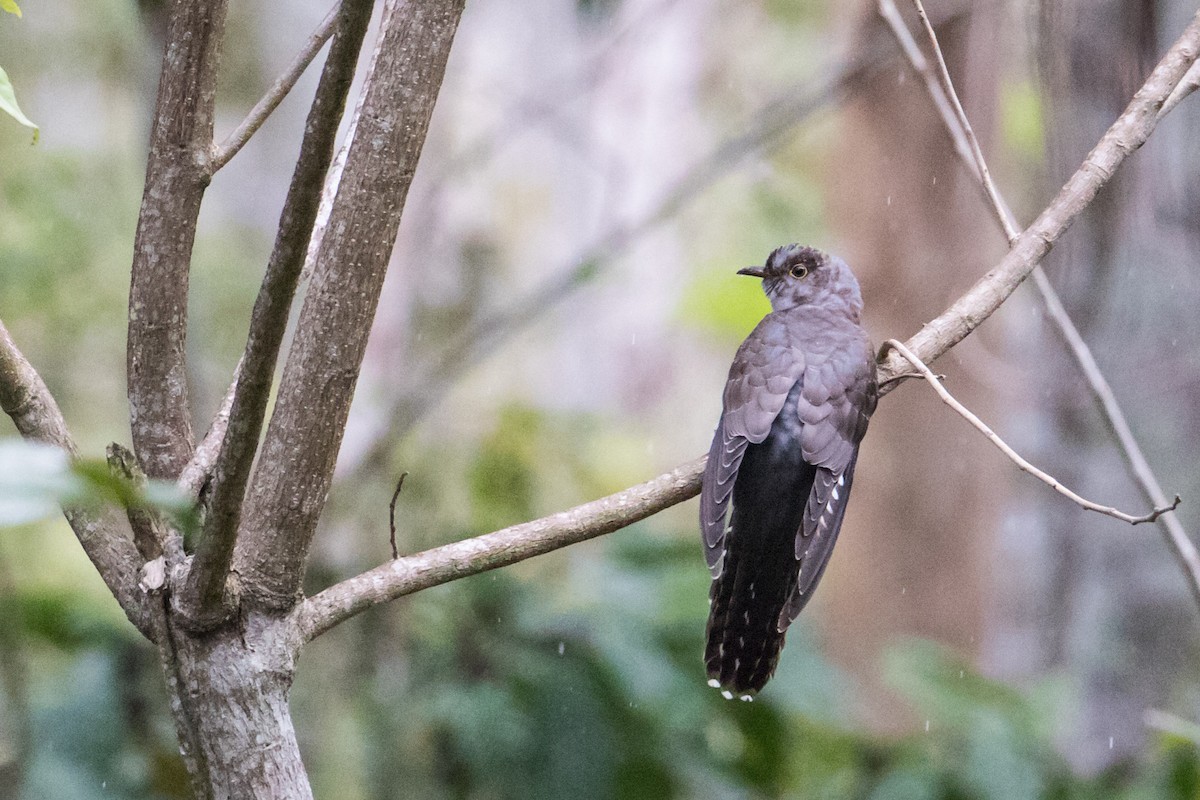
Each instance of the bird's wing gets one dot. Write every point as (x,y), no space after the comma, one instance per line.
(837,398)
(764,371)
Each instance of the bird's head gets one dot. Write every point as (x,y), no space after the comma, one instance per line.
(795,275)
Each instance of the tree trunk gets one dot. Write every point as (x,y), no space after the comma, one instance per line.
(236,684)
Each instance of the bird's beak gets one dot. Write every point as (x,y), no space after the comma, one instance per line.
(754,272)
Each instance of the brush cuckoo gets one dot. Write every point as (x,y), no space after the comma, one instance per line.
(799,395)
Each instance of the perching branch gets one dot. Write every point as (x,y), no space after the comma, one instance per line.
(941,90)
(27,401)
(176,177)
(406,575)
(1021,463)
(289,488)
(237,139)
(443,564)
(205,590)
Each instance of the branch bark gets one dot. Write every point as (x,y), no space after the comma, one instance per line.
(289,488)
(202,600)
(176,177)
(450,562)
(404,576)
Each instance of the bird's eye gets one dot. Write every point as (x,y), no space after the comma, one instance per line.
(799,271)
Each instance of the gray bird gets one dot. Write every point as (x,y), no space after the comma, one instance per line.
(800,393)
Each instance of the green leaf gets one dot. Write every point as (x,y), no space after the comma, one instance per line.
(33,479)
(10,6)
(8,100)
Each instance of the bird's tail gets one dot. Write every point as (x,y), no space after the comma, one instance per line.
(744,636)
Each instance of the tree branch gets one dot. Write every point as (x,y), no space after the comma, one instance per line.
(237,139)
(202,600)
(25,398)
(941,90)
(1015,457)
(289,488)
(443,564)
(1124,137)
(176,177)
(389,581)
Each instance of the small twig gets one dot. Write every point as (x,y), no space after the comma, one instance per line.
(903,376)
(392,514)
(1024,465)
(236,140)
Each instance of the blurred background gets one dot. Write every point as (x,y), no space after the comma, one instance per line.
(557,324)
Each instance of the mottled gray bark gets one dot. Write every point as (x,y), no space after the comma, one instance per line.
(177,173)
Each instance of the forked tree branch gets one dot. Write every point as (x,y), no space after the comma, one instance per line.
(940,88)
(202,598)
(263,109)
(290,485)
(27,401)
(176,177)
(449,562)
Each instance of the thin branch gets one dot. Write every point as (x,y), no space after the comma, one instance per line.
(176,177)
(25,398)
(200,467)
(1178,541)
(392,515)
(985,176)
(1021,463)
(939,86)
(236,140)
(440,565)
(290,486)
(406,575)
(204,594)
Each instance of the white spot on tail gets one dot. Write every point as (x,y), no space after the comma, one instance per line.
(841,480)
(835,493)
(728,695)
(747,697)
(713,682)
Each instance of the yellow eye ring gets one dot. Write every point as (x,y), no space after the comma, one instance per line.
(799,271)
